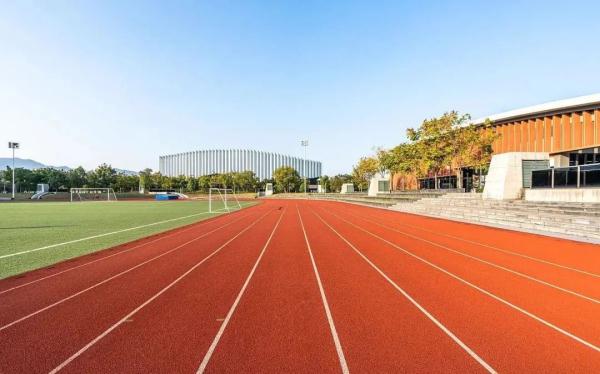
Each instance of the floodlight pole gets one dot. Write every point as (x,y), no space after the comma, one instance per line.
(304,143)
(13,146)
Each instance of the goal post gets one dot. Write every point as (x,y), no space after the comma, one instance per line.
(92,194)
(220,199)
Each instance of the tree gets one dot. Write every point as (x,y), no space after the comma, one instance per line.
(77,178)
(336,181)
(364,170)
(145,178)
(286,179)
(104,176)
(324,182)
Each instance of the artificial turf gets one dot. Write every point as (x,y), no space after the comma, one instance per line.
(26,226)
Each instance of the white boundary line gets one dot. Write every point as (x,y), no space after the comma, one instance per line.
(114,276)
(128,316)
(194,226)
(450,334)
(596,301)
(595,275)
(225,322)
(101,235)
(334,334)
(497,298)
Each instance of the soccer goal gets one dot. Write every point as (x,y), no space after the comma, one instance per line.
(93,194)
(222,199)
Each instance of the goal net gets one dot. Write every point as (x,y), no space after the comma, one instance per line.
(93,194)
(222,199)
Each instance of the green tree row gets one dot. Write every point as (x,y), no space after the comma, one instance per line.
(62,180)
(105,176)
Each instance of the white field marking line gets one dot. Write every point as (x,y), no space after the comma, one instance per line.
(450,334)
(497,298)
(105,234)
(201,223)
(115,276)
(128,316)
(215,341)
(595,275)
(596,301)
(334,334)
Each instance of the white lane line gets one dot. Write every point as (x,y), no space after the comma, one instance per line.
(133,312)
(201,223)
(101,235)
(596,301)
(450,334)
(215,341)
(334,334)
(497,298)
(595,275)
(114,276)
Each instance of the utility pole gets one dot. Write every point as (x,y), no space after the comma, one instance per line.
(13,146)
(304,143)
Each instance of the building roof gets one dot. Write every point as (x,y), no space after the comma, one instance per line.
(550,107)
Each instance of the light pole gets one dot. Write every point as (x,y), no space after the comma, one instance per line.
(13,146)
(304,143)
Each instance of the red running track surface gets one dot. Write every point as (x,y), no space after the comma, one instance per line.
(311,286)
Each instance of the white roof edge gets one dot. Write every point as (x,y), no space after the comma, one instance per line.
(542,108)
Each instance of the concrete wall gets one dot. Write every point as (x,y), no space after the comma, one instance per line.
(579,195)
(505,177)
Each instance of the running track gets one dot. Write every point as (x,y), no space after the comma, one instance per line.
(311,286)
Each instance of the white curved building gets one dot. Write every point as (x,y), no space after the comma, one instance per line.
(212,161)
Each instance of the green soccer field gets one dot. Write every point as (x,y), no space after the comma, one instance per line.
(26,228)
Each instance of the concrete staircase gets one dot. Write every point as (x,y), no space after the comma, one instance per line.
(574,220)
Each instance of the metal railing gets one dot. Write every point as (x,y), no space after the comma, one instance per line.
(581,176)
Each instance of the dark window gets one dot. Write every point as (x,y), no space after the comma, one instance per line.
(541,178)
(590,175)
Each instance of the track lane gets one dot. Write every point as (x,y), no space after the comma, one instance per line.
(524,344)
(77,321)
(580,257)
(27,300)
(572,281)
(530,295)
(167,333)
(280,324)
(379,328)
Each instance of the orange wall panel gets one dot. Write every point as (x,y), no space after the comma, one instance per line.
(525,137)
(588,129)
(539,139)
(548,136)
(518,126)
(577,130)
(497,146)
(557,137)
(567,141)
(597,125)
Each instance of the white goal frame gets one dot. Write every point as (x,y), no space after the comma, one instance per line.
(77,192)
(225,195)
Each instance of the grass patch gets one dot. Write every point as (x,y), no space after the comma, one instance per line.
(27,226)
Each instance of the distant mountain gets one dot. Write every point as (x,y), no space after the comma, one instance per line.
(32,164)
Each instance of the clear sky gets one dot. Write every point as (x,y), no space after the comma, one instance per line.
(122,82)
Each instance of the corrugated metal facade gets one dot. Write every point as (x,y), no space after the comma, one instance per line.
(213,161)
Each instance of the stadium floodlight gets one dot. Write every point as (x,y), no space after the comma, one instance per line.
(304,143)
(13,146)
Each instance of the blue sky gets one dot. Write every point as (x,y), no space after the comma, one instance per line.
(122,82)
